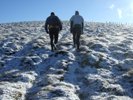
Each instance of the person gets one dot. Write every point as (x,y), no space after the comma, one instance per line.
(76,28)
(53,26)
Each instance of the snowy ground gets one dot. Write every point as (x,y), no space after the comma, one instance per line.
(102,70)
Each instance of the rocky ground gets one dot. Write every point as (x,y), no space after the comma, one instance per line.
(102,70)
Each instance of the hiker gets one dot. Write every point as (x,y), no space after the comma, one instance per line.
(76,28)
(53,26)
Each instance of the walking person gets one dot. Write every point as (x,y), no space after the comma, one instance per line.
(76,28)
(53,26)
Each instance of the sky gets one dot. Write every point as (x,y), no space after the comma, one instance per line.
(120,11)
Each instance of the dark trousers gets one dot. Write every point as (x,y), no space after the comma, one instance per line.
(76,36)
(53,34)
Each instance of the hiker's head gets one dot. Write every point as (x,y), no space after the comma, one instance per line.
(76,13)
(52,14)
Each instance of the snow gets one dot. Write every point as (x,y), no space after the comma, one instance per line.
(101,70)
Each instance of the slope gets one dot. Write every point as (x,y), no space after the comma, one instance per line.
(103,69)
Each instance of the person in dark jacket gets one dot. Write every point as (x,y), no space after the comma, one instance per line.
(76,28)
(53,26)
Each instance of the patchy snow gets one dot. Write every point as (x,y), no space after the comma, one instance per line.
(101,70)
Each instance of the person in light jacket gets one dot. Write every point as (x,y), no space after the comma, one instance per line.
(76,28)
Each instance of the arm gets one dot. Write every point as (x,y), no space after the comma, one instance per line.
(60,23)
(71,24)
(46,25)
(82,25)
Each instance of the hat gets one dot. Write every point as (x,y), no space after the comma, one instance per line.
(52,13)
(76,13)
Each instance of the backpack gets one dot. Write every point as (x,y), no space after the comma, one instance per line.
(77,28)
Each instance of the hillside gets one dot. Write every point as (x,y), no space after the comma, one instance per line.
(102,70)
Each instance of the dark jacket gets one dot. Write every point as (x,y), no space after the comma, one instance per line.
(53,21)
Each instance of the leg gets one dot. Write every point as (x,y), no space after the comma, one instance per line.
(56,34)
(78,40)
(56,38)
(74,39)
(51,41)
(77,31)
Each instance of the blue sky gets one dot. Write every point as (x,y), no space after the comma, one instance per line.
(91,10)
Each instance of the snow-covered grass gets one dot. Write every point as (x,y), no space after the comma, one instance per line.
(101,70)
